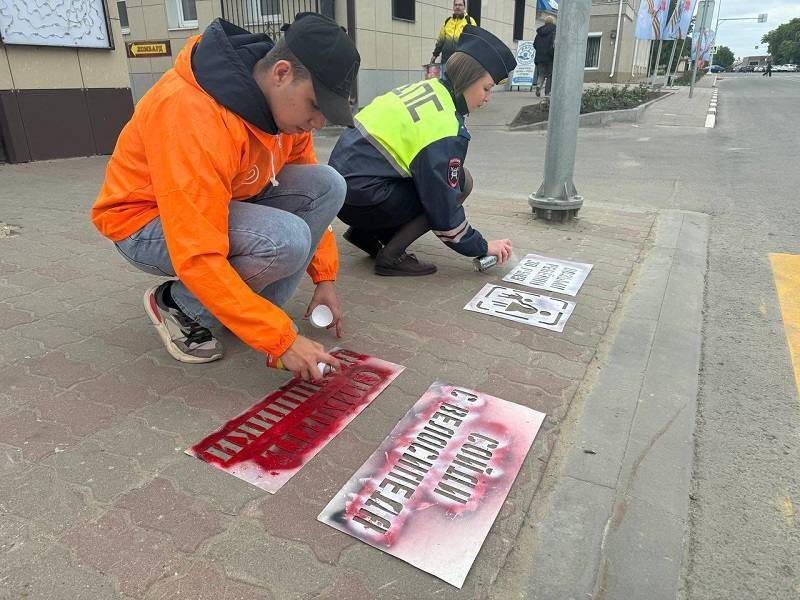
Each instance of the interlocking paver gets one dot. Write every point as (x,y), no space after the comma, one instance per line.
(348,584)
(134,438)
(55,574)
(33,436)
(115,412)
(15,348)
(55,365)
(110,389)
(93,466)
(172,416)
(49,333)
(38,495)
(11,317)
(203,581)
(80,416)
(158,505)
(248,553)
(303,527)
(200,480)
(222,403)
(136,557)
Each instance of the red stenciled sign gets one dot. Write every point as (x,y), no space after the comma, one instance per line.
(270,442)
(430,493)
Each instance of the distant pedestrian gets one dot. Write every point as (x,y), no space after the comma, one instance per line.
(768,70)
(545,45)
(451,30)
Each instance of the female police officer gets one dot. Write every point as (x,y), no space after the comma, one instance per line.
(404,161)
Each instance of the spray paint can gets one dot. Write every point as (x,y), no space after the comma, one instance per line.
(484,263)
(275,362)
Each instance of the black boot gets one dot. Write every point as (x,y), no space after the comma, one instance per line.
(393,260)
(403,265)
(363,240)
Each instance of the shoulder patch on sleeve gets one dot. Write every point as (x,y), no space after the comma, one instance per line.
(453,168)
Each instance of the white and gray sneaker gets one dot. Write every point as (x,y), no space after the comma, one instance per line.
(186,340)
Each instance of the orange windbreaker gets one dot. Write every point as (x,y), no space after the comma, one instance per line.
(185,157)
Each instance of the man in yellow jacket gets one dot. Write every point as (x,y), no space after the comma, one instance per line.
(451,31)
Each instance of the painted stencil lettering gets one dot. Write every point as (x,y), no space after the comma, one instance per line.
(429,494)
(267,444)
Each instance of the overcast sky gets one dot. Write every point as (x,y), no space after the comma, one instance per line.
(742,36)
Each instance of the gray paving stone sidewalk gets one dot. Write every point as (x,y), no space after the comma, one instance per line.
(97,499)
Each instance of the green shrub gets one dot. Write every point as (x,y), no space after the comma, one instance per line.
(612,98)
(686,78)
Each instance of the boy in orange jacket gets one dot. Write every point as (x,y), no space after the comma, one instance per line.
(215,181)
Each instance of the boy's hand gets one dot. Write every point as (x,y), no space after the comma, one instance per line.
(325,293)
(302,357)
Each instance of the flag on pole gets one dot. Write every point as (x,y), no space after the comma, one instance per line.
(547,5)
(651,19)
(701,48)
(678,24)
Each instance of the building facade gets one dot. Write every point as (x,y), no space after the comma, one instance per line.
(66,93)
(613,54)
(394,37)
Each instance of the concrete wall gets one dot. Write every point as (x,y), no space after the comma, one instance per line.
(393,51)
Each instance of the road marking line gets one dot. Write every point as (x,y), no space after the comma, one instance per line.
(786,271)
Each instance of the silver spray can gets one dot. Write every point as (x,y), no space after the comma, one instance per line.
(484,263)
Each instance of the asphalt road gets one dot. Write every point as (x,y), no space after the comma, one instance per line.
(745,528)
(744,540)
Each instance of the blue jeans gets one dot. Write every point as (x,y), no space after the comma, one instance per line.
(272,237)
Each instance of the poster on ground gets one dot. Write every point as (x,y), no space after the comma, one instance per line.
(549,274)
(430,493)
(528,308)
(270,442)
(524,72)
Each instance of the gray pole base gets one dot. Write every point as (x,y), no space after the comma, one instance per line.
(560,209)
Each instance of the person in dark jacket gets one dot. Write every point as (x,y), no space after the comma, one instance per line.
(545,45)
(404,161)
(768,70)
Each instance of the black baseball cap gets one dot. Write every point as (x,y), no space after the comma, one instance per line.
(330,56)
(488,50)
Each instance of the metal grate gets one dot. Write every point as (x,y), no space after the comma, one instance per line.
(592,52)
(268,16)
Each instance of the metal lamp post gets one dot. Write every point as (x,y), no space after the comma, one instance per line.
(557,198)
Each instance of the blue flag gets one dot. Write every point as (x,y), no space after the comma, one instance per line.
(651,19)
(547,5)
(678,24)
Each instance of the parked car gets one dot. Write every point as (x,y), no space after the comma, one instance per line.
(758,69)
(716,69)
(779,68)
(792,68)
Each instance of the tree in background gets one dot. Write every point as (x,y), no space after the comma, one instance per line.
(724,57)
(784,43)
